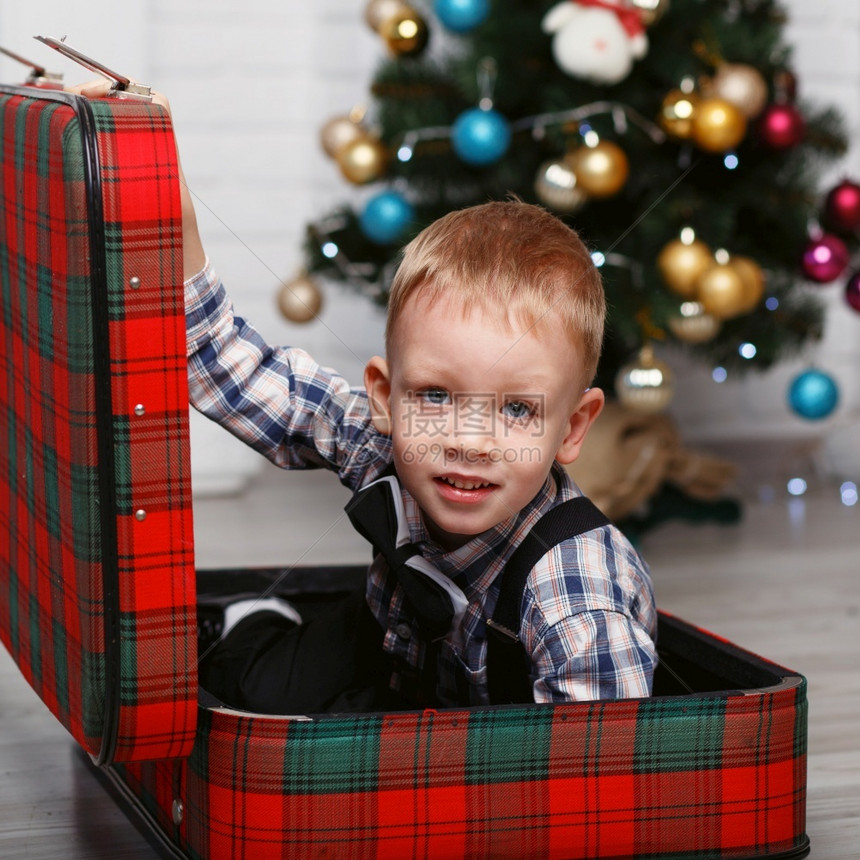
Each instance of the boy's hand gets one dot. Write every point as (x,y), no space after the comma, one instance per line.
(193,255)
(98,88)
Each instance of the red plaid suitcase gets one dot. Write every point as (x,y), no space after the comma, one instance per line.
(97,589)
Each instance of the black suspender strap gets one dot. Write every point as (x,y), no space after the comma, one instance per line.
(508,665)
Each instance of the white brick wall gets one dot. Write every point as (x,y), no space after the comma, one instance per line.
(252,83)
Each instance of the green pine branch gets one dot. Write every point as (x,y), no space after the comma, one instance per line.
(761,208)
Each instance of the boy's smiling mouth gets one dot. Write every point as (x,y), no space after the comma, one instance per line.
(464,488)
(466,484)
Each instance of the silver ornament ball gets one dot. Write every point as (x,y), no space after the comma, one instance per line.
(300,300)
(556,186)
(646,384)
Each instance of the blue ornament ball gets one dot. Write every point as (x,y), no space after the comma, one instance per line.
(461,16)
(813,394)
(480,137)
(385,217)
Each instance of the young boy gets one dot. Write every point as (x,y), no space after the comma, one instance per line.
(494,329)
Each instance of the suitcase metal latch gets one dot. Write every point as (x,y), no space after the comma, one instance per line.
(122,87)
(39,76)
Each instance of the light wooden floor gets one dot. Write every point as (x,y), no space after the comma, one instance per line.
(784,583)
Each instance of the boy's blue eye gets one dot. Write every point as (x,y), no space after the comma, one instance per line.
(435,396)
(518,410)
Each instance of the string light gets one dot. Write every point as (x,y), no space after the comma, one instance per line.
(796,486)
(591,138)
(621,114)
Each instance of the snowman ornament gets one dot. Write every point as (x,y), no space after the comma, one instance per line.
(597,40)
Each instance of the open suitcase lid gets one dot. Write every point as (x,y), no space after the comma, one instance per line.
(97,601)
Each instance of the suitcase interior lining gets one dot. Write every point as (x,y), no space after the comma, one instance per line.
(692,662)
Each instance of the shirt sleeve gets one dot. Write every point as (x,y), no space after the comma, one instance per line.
(594,655)
(276,399)
(590,620)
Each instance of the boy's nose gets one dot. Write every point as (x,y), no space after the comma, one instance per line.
(474,449)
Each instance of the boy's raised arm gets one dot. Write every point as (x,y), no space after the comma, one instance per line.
(276,399)
(194,257)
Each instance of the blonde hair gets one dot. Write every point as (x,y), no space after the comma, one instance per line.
(507,255)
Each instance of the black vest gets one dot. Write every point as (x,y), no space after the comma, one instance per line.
(508,665)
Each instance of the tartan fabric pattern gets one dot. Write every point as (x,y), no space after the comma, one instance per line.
(81,347)
(719,775)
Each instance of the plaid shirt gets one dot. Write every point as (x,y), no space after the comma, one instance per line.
(589,619)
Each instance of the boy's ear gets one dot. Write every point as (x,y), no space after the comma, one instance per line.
(589,407)
(378,384)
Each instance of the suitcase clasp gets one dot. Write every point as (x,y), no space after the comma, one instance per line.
(39,76)
(122,87)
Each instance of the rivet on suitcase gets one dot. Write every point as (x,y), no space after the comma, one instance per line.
(97,589)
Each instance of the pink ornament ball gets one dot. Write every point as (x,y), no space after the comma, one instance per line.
(842,207)
(782,126)
(852,291)
(825,259)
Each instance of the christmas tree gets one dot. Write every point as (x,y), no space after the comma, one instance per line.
(669,133)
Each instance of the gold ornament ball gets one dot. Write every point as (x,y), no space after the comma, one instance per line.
(722,291)
(377,12)
(753,278)
(646,384)
(692,324)
(741,85)
(677,112)
(405,33)
(300,300)
(650,11)
(363,160)
(718,125)
(601,170)
(681,264)
(337,133)
(556,186)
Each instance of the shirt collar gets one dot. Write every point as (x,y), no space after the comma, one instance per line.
(494,546)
